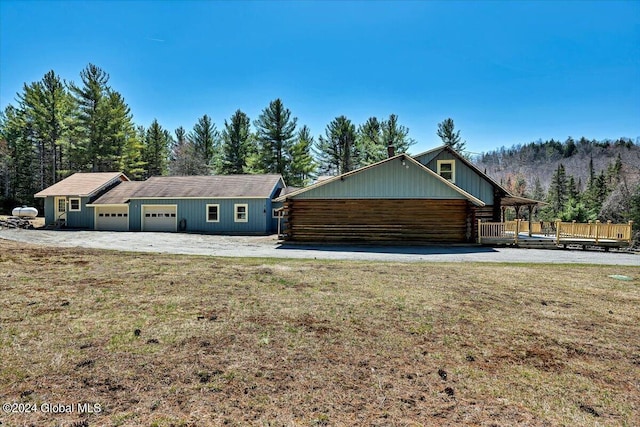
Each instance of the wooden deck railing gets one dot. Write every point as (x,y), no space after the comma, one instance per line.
(594,230)
(560,231)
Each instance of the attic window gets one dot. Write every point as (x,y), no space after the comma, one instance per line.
(447,170)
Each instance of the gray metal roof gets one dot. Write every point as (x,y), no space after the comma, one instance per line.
(209,187)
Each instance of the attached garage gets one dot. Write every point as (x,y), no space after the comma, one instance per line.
(159,218)
(112,218)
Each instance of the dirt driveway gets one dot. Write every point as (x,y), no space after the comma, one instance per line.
(268,247)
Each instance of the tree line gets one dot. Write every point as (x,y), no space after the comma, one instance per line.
(610,192)
(58,128)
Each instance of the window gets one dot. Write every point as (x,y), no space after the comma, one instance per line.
(447,169)
(62,205)
(74,204)
(274,213)
(241,213)
(213,213)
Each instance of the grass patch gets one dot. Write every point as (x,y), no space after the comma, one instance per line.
(186,340)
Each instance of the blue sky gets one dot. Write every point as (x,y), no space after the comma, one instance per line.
(507,72)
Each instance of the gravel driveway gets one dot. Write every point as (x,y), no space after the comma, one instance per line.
(268,247)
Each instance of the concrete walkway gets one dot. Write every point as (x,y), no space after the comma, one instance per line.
(268,247)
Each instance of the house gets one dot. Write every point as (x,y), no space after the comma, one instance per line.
(455,168)
(397,200)
(437,196)
(232,204)
(65,202)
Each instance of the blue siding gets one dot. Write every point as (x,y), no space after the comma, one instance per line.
(387,180)
(75,219)
(49,211)
(82,219)
(466,178)
(194,212)
(273,222)
(427,157)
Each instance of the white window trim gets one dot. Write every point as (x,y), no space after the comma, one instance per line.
(79,204)
(453,169)
(235,212)
(217,206)
(274,214)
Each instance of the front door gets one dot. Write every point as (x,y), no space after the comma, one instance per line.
(61,209)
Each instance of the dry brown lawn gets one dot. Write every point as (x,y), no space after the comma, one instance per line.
(165,340)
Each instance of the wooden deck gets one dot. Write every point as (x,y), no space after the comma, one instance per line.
(555,235)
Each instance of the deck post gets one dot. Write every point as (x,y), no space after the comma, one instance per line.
(517,231)
(573,228)
(279,221)
(479,231)
(597,223)
(608,233)
(630,231)
(558,222)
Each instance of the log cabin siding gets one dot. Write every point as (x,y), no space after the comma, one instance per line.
(379,220)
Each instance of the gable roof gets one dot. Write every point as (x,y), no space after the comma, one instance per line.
(435,151)
(83,184)
(508,199)
(194,187)
(404,157)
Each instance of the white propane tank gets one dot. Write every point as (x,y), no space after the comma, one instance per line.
(25,212)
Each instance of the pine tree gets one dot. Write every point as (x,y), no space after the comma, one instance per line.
(370,140)
(338,150)
(47,104)
(557,194)
(90,123)
(206,141)
(572,189)
(275,131)
(569,147)
(21,177)
(155,152)
(302,167)
(236,144)
(446,132)
(614,173)
(122,148)
(396,135)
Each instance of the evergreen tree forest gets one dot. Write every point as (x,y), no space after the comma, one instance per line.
(58,127)
(581,181)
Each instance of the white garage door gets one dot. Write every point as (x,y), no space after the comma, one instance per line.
(112,218)
(159,218)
